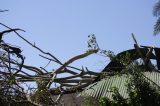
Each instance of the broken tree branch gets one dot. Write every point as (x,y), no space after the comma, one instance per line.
(87,53)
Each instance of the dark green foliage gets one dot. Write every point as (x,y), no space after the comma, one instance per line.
(118,100)
(92,42)
(42,97)
(11,95)
(141,91)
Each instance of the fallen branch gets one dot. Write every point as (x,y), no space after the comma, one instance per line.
(87,53)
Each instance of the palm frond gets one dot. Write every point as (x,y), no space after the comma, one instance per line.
(157,27)
(156,9)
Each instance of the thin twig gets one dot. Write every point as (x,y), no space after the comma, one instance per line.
(3,10)
(33,45)
(44,70)
(60,63)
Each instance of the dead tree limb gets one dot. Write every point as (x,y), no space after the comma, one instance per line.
(87,53)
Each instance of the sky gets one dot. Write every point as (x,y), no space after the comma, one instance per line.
(61,27)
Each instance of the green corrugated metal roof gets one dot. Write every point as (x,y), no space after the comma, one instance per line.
(103,88)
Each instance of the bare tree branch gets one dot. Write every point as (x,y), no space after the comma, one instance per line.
(33,45)
(3,10)
(70,61)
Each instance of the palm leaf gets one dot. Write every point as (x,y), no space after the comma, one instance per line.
(157,27)
(156,9)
